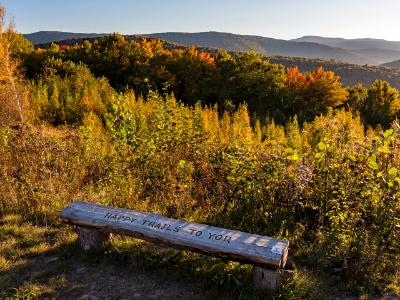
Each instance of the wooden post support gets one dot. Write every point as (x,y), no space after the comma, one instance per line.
(92,239)
(270,279)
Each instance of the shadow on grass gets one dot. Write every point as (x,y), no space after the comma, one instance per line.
(33,260)
(44,262)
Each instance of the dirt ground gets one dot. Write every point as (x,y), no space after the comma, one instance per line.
(102,280)
(43,262)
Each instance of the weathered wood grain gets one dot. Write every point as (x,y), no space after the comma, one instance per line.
(91,239)
(270,279)
(214,241)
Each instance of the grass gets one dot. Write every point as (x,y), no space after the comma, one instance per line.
(31,258)
(39,262)
(43,262)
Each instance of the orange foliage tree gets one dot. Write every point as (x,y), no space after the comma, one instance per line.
(313,93)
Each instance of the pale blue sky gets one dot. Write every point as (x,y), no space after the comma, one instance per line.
(273,18)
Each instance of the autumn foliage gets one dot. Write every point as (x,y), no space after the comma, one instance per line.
(221,138)
(11,98)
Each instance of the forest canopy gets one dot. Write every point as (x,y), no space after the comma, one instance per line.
(192,75)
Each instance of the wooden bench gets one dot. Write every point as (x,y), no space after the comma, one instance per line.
(96,222)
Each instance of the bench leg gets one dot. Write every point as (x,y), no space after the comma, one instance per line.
(270,279)
(91,240)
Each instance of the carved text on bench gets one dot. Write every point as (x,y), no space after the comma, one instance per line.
(168,227)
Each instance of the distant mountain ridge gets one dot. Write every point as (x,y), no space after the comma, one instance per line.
(262,45)
(43,37)
(381,50)
(392,64)
(352,44)
(356,51)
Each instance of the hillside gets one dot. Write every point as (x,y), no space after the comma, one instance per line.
(133,37)
(377,49)
(263,45)
(236,42)
(42,37)
(350,74)
(227,140)
(352,44)
(393,64)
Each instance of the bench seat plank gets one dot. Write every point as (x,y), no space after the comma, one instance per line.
(230,244)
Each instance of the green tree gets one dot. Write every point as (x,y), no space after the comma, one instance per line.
(248,77)
(293,134)
(381,104)
(357,96)
(67,92)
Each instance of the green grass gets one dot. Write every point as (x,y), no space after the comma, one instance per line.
(26,256)
(39,262)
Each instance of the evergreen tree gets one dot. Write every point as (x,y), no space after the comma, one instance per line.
(381,104)
(357,96)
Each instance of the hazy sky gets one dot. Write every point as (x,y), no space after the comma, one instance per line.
(273,18)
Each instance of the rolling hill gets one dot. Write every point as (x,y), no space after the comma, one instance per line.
(393,64)
(42,37)
(352,44)
(263,45)
(350,74)
(382,51)
(362,51)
